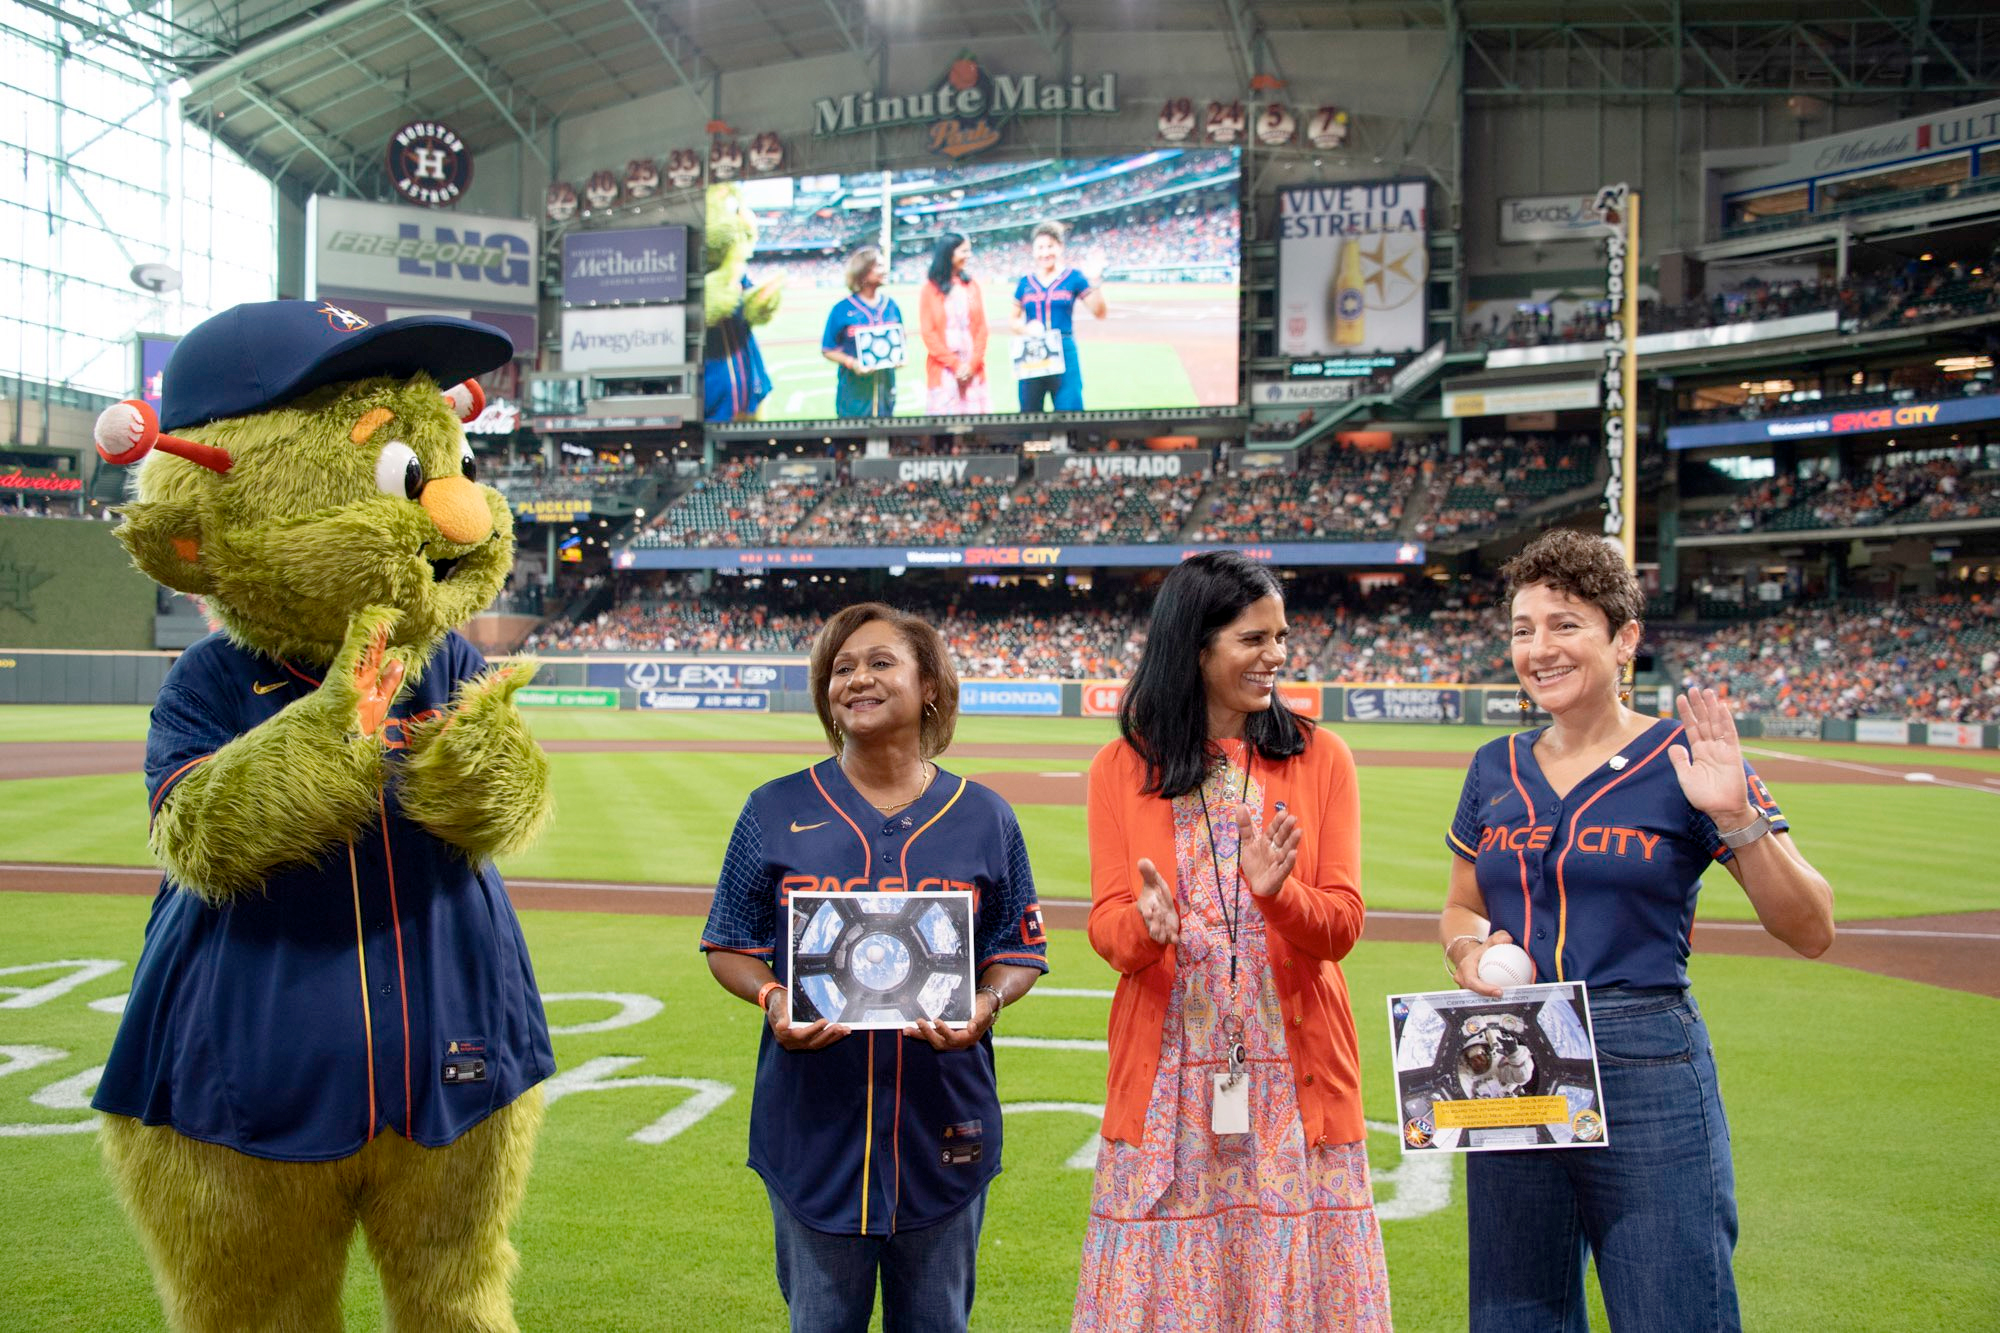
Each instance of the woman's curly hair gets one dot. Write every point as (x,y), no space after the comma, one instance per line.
(1583,565)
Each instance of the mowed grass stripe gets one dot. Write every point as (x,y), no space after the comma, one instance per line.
(1849,1109)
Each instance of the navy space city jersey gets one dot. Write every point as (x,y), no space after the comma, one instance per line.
(384,988)
(1598,885)
(877,1132)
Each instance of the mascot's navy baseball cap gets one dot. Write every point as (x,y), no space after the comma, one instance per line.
(257,355)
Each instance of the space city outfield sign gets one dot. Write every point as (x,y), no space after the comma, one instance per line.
(966,107)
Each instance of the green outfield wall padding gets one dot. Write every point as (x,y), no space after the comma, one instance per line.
(67,583)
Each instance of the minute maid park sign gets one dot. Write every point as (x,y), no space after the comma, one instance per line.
(967,106)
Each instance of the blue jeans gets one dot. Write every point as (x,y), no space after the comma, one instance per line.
(926,1275)
(1656,1209)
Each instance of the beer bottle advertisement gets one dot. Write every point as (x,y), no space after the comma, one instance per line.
(1352,268)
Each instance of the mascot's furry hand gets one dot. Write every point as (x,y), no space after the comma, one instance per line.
(474,776)
(762,303)
(284,791)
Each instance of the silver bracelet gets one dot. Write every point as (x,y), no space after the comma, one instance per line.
(1749,833)
(999,1002)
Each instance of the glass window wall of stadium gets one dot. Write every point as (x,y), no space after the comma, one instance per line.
(100,174)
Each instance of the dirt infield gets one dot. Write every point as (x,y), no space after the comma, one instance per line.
(1961,952)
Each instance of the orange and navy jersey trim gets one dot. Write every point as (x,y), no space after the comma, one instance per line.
(173,779)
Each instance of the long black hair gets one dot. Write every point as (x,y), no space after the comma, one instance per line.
(1164,715)
(941,271)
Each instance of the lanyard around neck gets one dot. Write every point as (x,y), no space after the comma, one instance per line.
(1231,906)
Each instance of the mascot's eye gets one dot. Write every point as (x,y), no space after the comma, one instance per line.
(397,471)
(467,463)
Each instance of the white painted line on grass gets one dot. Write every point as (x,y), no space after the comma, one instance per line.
(1873,770)
(1054,1043)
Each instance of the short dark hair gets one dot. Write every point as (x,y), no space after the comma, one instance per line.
(934,667)
(1583,565)
(1055,231)
(1164,715)
(941,271)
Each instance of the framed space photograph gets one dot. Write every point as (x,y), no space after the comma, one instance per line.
(881,960)
(1474,1073)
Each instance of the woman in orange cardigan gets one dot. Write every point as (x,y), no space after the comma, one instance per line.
(1232,1186)
(951,316)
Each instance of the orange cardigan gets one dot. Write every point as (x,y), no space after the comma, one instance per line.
(938,358)
(1312,922)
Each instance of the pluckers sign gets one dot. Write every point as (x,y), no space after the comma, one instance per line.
(966,107)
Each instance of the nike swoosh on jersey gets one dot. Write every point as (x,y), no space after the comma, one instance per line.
(274,685)
(1501,797)
(807,828)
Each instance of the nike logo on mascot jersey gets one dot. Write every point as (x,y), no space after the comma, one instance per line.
(266,689)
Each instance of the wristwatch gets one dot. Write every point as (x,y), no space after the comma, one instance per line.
(1759,825)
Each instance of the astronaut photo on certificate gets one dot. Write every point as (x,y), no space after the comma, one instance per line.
(1475,1073)
(880,960)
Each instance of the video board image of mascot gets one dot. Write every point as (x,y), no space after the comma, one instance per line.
(1099,284)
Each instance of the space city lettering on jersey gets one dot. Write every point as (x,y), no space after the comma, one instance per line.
(1593,839)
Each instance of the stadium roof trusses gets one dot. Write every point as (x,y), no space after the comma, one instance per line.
(310,91)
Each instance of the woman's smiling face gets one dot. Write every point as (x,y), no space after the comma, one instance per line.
(876,689)
(1564,650)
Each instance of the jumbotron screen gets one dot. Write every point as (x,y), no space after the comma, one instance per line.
(1050,286)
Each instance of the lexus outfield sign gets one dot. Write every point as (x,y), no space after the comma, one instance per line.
(647,337)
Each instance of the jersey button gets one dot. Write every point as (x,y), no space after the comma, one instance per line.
(1541,934)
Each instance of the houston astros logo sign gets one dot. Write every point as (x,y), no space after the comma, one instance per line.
(428,163)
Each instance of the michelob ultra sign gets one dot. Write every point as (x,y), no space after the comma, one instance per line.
(1352,265)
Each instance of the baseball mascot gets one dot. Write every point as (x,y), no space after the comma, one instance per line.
(734,381)
(333,1019)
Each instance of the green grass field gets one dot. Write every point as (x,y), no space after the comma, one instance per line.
(1121,369)
(1851,1097)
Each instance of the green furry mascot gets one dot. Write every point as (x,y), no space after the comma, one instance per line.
(333,1020)
(734,381)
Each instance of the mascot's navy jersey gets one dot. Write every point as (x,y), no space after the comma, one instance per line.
(733,377)
(877,1133)
(385,988)
(1605,876)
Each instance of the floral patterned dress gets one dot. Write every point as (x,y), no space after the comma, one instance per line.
(1195,1232)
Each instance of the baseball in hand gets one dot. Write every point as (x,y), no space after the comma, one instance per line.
(1506,965)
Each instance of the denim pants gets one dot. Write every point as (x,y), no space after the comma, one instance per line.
(1656,1209)
(926,1275)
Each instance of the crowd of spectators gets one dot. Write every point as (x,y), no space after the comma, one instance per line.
(731,507)
(1919,291)
(1493,478)
(1891,490)
(1935,659)
(1110,511)
(873,513)
(41,506)
(1342,495)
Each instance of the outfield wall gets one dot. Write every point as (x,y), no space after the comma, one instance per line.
(67,583)
(745,684)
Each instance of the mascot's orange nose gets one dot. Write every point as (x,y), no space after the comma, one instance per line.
(458,509)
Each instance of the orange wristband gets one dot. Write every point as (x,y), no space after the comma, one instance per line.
(764,991)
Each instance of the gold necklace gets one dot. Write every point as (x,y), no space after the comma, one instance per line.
(930,773)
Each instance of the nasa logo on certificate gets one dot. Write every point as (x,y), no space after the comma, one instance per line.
(880,960)
(878,347)
(1037,355)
